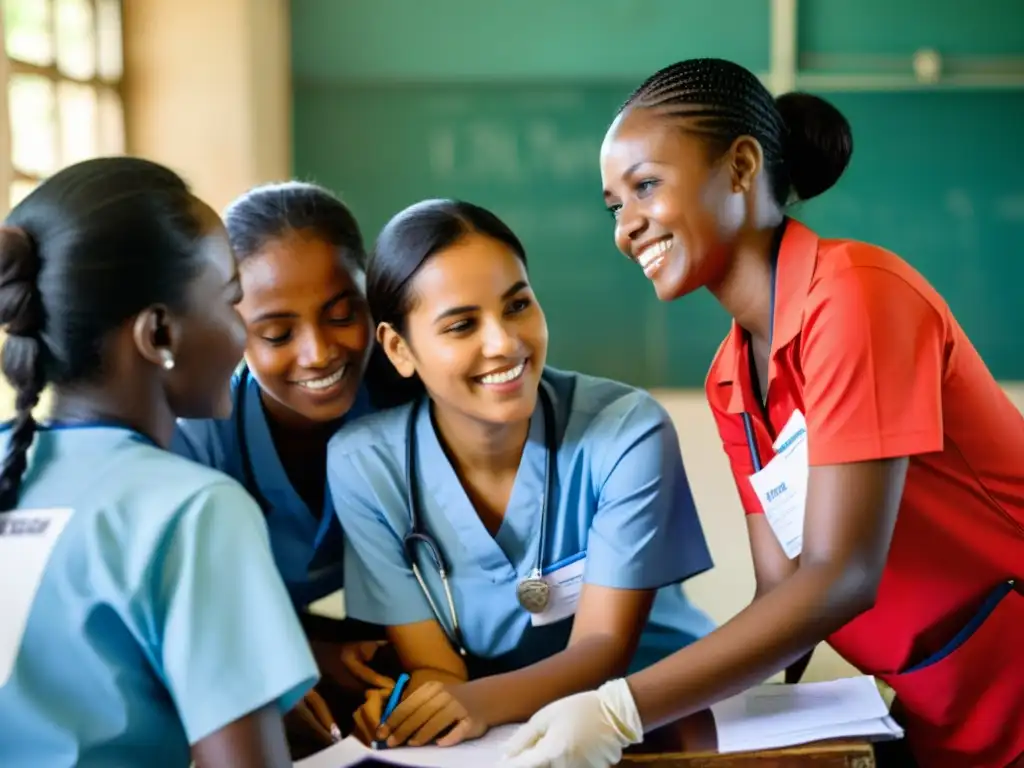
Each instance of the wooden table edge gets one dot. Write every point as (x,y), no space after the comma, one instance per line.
(845,747)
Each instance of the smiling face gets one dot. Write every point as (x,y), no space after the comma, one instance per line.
(678,207)
(308,327)
(475,334)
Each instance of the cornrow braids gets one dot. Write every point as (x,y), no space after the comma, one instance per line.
(724,101)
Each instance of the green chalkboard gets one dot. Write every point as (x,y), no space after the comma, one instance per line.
(936,177)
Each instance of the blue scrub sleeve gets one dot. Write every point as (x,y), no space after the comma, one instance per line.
(646,533)
(192,440)
(228,640)
(379,584)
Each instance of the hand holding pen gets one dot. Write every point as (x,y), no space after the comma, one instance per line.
(389,708)
(377,709)
(438,713)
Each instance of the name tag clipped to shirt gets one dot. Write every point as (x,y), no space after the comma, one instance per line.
(27,538)
(781,486)
(565,579)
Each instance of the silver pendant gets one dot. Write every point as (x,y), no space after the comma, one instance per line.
(533,594)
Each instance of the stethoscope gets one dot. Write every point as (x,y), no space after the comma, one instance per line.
(748,423)
(533,593)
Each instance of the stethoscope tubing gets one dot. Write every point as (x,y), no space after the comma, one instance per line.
(418,536)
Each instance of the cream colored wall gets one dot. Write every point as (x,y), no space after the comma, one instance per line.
(208,90)
(207,93)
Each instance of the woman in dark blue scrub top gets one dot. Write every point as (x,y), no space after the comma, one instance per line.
(309,338)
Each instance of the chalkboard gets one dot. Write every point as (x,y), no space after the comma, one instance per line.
(936,177)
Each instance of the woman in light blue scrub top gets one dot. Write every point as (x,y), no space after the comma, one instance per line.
(144,620)
(448,284)
(302,268)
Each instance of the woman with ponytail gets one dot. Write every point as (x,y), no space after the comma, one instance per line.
(877,460)
(144,619)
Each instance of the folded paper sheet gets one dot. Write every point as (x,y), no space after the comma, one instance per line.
(471,754)
(774,716)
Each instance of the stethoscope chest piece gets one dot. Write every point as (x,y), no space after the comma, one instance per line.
(533,593)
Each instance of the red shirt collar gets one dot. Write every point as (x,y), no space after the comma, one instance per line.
(797,255)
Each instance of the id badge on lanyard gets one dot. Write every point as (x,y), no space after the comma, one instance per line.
(781,485)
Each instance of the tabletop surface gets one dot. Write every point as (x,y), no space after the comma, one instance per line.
(690,743)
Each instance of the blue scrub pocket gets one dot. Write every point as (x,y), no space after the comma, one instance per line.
(961,637)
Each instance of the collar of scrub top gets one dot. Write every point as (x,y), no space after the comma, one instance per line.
(59,425)
(748,424)
(419,536)
(241,419)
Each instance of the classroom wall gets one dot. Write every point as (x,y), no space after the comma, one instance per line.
(506,104)
(208,90)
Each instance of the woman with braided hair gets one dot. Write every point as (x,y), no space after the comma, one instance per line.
(877,460)
(144,620)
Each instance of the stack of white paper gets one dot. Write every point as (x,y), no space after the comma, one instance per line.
(774,716)
(484,751)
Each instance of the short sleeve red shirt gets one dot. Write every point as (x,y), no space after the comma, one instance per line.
(869,352)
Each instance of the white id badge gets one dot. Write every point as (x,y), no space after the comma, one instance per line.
(781,486)
(27,538)
(565,578)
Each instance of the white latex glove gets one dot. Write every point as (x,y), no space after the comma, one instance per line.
(588,730)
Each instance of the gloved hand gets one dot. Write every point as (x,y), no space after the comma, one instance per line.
(588,730)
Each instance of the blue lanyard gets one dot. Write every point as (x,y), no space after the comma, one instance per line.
(748,423)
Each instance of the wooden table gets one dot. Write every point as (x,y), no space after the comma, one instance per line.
(691,743)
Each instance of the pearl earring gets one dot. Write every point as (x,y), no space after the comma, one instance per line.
(167,359)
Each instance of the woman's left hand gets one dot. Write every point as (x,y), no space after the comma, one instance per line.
(431,709)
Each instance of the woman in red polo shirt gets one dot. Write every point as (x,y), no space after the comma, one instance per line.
(880,465)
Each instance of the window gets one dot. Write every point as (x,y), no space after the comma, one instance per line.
(64,92)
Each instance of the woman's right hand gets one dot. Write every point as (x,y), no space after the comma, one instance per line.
(366,719)
(348,664)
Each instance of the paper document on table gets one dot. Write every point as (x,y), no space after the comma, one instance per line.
(775,716)
(484,751)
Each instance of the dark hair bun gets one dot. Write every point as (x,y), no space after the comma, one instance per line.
(819,143)
(21,310)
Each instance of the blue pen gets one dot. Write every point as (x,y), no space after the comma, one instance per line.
(393,699)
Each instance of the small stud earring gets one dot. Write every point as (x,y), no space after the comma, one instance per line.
(167,359)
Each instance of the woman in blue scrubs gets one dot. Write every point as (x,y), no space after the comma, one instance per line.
(556,502)
(302,269)
(145,622)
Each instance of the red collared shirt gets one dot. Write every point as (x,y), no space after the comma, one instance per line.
(872,356)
